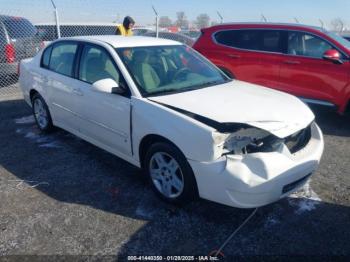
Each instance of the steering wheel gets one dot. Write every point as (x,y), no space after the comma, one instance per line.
(179,75)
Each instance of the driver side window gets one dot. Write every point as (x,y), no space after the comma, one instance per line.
(303,44)
(96,64)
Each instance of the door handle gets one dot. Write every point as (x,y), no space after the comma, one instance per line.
(77,91)
(234,56)
(292,62)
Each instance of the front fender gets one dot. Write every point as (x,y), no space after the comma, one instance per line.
(193,138)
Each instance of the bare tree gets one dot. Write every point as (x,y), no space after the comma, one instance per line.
(181,20)
(165,21)
(337,25)
(202,21)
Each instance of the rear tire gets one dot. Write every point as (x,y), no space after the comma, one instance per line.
(41,114)
(170,174)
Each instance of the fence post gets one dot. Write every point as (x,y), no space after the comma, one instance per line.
(57,20)
(157,22)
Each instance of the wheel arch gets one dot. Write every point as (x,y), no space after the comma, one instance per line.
(149,140)
(32,92)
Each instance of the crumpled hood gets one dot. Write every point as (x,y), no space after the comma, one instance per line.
(239,102)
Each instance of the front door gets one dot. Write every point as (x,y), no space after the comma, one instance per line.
(305,73)
(104,118)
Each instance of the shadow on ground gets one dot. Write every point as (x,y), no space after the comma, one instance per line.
(61,195)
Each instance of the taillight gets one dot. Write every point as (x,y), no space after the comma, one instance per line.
(10,53)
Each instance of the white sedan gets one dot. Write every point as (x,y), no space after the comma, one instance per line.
(164,108)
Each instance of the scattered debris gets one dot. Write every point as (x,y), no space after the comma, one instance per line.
(30,183)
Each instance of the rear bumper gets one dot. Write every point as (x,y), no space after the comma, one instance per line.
(258,179)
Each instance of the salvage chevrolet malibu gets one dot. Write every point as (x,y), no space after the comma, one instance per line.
(164,108)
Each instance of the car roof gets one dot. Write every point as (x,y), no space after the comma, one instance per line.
(270,24)
(122,41)
(6,17)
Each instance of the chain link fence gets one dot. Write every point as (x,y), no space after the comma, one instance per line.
(27,26)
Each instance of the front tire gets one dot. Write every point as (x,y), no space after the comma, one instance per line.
(170,174)
(41,114)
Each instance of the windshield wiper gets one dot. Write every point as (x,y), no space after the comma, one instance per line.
(190,88)
(165,92)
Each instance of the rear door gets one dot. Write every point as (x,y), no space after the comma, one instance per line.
(63,94)
(254,55)
(305,73)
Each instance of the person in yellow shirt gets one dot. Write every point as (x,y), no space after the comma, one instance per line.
(125,29)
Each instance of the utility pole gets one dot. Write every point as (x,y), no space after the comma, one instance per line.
(220,16)
(157,22)
(57,21)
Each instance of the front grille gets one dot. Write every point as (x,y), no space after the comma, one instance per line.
(299,140)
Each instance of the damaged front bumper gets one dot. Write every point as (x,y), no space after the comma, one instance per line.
(257,179)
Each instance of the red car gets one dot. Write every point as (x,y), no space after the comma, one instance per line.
(306,61)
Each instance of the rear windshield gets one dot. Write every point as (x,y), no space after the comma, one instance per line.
(19,28)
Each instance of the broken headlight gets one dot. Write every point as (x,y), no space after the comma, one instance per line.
(251,140)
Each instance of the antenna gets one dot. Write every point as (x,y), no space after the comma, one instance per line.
(157,25)
(221,18)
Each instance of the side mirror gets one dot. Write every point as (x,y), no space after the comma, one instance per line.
(333,56)
(107,85)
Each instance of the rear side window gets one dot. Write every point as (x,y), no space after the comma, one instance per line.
(45,60)
(257,40)
(19,28)
(62,58)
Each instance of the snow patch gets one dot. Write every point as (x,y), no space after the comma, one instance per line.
(31,135)
(25,120)
(305,199)
(271,221)
(53,144)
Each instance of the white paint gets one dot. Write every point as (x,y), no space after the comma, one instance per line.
(103,119)
(279,113)
(25,120)
(121,41)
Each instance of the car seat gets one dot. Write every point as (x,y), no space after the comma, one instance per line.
(95,70)
(145,75)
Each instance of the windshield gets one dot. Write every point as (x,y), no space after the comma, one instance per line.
(339,39)
(160,70)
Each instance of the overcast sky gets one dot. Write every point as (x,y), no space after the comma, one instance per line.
(305,11)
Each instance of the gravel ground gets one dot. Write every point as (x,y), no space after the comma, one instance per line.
(60,195)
